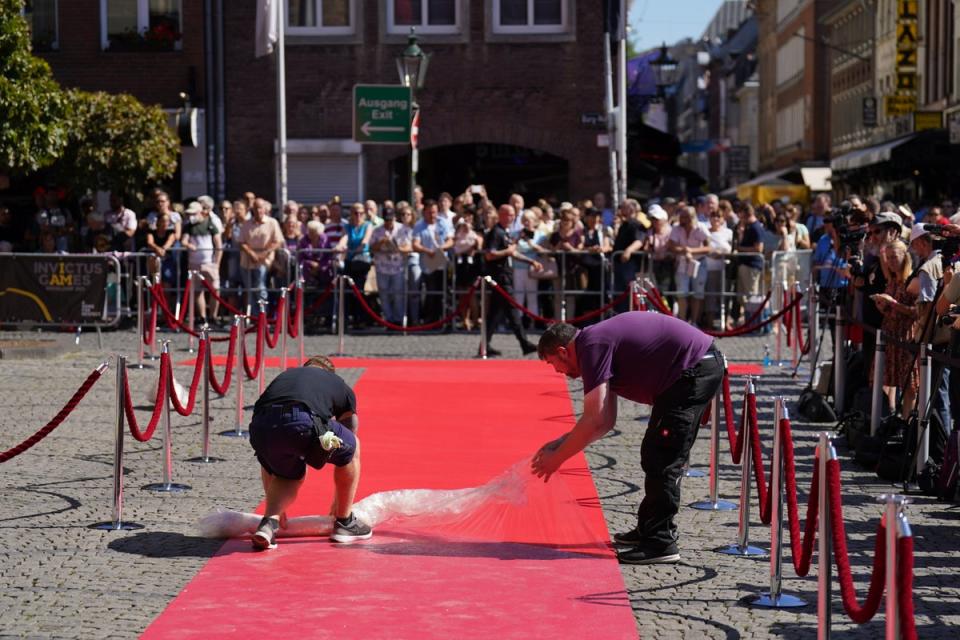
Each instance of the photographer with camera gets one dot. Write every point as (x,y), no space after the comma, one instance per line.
(869,277)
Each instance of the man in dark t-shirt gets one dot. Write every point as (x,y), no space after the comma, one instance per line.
(307,416)
(498,250)
(651,359)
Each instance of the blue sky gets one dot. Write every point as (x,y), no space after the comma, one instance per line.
(656,21)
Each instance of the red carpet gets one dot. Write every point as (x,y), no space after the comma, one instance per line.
(538,571)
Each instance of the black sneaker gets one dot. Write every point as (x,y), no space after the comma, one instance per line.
(641,555)
(630,538)
(493,353)
(528,348)
(350,529)
(265,537)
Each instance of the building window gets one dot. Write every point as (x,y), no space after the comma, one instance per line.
(41,15)
(790,58)
(323,17)
(141,25)
(530,16)
(427,16)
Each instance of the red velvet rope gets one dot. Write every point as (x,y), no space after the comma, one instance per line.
(908,626)
(223,303)
(750,328)
(222,388)
(804,346)
(763,496)
(173,323)
(277,324)
(586,316)
(326,293)
(801,549)
(857,612)
(736,443)
(293,327)
(194,384)
(464,301)
(57,419)
(161,398)
(258,357)
(150,331)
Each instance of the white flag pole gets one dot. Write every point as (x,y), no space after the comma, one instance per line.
(281,106)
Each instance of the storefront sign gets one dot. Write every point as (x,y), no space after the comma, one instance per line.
(925,120)
(738,161)
(904,99)
(52,289)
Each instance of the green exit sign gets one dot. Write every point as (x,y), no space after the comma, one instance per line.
(381,114)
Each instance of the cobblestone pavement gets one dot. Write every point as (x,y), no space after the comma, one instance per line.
(60,579)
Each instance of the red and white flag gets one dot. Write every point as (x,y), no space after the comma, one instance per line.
(415,129)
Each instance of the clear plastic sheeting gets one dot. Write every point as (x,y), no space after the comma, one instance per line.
(514,505)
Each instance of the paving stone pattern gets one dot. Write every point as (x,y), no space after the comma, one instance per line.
(60,579)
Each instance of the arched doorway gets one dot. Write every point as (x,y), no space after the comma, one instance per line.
(502,169)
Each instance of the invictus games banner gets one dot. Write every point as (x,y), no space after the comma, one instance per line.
(67,289)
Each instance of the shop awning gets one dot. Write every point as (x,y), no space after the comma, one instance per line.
(871,155)
(769,178)
(817,178)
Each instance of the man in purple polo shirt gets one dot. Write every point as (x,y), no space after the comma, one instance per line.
(651,359)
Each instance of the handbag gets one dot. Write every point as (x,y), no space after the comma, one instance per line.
(550,269)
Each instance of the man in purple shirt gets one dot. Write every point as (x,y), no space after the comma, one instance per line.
(651,359)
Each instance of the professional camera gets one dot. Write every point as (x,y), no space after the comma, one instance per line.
(947,246)
(950,316)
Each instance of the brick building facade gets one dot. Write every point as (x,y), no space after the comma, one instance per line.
(508,84)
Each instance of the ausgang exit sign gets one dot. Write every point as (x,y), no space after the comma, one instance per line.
(381,114)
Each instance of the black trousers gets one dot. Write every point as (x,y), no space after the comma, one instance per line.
(499,310)
(674,423)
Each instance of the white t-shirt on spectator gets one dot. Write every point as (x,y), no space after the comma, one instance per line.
(721,241)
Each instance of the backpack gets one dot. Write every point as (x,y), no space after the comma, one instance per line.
(947,486)
(854,426)
(814,407)
(870,447)
(894,460)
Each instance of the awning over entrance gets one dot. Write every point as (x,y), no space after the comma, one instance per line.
(871,155)
(770,178)
(817,178)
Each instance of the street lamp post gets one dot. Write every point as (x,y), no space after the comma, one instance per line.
(664,70)
(412,67)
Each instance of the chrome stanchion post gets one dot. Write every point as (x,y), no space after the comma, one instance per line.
(205,406)
(239,373)
(895,526)
(778,293)
(814,322)
(483,316)
(117,524)
(168,485)
(776,599)
(139,364)
(923,406)
(742,547)
(340,314)
(797,330)
(877,396)
(632,296)
(825,453)
(839,361)
(284,318)
(191,309)
(299,320)
(714,503)
(153,323)
(261,375)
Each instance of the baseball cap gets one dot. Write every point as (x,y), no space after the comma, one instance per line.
(886,217)
(206,202)
(918,231)
(656,212)
(389,213)
(194,208)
